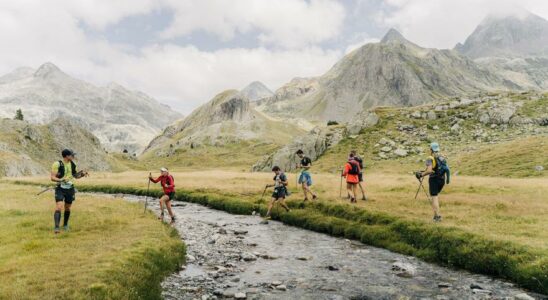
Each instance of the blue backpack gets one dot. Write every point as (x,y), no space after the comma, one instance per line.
(442,168)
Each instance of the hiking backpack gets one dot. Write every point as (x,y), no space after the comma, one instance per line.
(442,168)
(61,169)
(360,161)
(354,167)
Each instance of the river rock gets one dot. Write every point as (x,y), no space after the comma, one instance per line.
(482,292)
(248,256)
(383,155)
(276,283)
(386,149)
(281,287)
(240,295)
(523,296)
(404,269)
(228,294)
(539,168)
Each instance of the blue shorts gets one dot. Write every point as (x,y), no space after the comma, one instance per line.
(305,177)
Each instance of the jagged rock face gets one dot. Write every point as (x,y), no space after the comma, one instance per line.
(511,36)
(256,91)
(120,118)
(28,149)
(314,144)
(227,106)
(394,72)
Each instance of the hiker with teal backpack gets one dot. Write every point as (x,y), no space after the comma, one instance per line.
(63,172)
(439,175)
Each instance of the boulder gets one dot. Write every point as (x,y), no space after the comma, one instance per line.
(455,128)
(416,115)
(431,115)
(386,149)
(400,152)
(314,144)
(523,296)
(362,121)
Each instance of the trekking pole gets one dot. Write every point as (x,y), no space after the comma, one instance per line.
(264,192)
(146,195)
(43,191)
(426,193)
(340,186)
(419,189)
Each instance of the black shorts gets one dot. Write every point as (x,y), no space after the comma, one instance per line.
(67,195)
(279,194)
(171,195)
(360,177)
(435,185)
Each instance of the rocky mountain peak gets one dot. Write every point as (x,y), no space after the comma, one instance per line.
(517,35)
(47,69)
(256,91)
(393,36)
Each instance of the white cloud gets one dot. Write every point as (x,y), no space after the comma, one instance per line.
(285,23)
(183,76)
(443,23)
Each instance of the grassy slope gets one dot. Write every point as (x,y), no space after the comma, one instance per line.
(511,154)
(114,251)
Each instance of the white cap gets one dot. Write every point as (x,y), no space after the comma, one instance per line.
(163,169)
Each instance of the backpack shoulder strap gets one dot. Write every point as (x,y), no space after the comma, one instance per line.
(73,168)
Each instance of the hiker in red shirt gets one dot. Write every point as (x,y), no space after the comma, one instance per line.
(168,184)
(351,173)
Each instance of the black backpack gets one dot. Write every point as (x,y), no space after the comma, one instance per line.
(61,170)
(359,160)
(355,167)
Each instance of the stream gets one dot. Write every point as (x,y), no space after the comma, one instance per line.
(234,256)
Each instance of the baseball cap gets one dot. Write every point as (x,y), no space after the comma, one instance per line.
(435,147)
(163,169)
(67,152)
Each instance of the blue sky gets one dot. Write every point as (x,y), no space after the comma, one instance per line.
(183,52)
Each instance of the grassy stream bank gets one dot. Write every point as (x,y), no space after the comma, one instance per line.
(448,246)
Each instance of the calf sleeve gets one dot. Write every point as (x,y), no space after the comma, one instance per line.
(57,218)
(66,217)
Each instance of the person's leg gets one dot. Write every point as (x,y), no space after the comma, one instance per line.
(270,204)
(355,189)
(349,191)
(66,215)
(305,190)
(435,205)
(283,204)
(162,199)
(57,215)
(361,189)
(169,210)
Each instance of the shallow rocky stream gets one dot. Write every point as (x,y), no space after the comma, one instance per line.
(234,256)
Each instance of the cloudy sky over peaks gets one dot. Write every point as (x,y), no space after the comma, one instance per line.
(183,52)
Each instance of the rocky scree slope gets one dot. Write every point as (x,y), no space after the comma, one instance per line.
(393,72)
(120,118)
(30,149)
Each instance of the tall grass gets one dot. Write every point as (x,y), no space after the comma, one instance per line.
(113,251)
